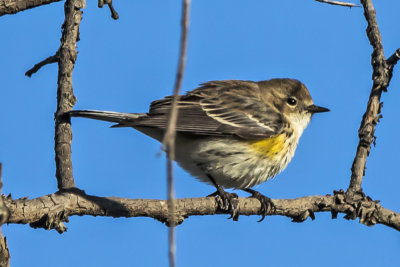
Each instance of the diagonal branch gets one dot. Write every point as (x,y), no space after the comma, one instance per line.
(381,77)
(51,59)
(338,3)
(65,95)
(51,211)
(14,6)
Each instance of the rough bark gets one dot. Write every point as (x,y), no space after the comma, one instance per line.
(15,6)
(4,252)
(65,95)
(4,214)
(382,73)
(51,211)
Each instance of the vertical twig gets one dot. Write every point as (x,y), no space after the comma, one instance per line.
(65,95)
(381,79)
(169,137)
(4,214)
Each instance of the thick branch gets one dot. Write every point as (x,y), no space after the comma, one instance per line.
(15,6)
(4,251)
(381,79)
(65,95)
(51,211)
(4,214)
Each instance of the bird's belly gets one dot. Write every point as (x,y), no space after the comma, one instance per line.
(232,163)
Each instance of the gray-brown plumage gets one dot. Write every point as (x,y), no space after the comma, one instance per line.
(217,108)
(232,133)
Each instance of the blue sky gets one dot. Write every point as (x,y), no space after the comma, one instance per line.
(123,65)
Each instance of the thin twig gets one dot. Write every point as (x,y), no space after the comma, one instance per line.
(51,59)
(170,133)
(114,13)
(65,95)
(381,77)
(171,215)
(51,211)
(14,6)
(338,3)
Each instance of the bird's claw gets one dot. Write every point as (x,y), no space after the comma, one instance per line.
(228,202)
(266,203)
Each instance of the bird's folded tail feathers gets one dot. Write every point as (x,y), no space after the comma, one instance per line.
(120,118)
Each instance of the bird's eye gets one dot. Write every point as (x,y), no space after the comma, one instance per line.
(292,101)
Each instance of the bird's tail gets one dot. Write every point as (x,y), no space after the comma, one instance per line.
(122,119)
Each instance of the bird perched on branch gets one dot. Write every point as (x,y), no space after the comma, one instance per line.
(230,134)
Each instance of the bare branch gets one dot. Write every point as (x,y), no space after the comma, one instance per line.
(392,61)
(171,213)
(51,211)
(4,215)
(170,133)
(4,212)
(338,3)
(381,77)
(169,136)
(52,59)
(114,13)
(14,6)
(4,252)
(65,95)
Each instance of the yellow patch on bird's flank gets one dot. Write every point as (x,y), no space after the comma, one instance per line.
(271,147)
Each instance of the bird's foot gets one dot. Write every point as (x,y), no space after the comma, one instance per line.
(227,202)
(266,203)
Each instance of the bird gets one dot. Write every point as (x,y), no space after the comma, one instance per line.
(229,133)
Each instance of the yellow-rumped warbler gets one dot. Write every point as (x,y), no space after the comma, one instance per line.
(231,134)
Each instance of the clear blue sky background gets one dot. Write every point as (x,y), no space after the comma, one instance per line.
(123,65)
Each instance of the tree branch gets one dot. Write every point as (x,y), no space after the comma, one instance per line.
(381,77)
(392,61)
(114,13)
(170,133)
(51,59)
(169,137)
(65,95)
(14,6)
(338,3)
(51,211)
(4,252)
(4,214)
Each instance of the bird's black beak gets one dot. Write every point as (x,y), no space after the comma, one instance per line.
(316,109)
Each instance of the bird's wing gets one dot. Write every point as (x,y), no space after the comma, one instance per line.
(218,108)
